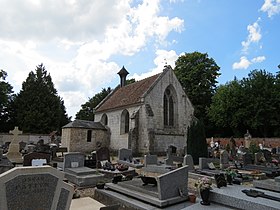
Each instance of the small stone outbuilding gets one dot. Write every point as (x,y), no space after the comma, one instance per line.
(84,136)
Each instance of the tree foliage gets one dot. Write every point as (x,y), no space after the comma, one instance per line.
(198,75)
(38,107)
(87,111)
(6,99)
(251,103)
(196,140)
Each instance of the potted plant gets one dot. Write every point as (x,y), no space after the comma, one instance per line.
(230,174)
(204,186)
(100,185)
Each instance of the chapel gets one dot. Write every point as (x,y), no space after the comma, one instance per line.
(146,116)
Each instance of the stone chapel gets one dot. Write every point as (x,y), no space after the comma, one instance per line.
(146,116)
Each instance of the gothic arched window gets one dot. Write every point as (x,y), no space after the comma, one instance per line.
(104,119)
(124,122)
(168,108)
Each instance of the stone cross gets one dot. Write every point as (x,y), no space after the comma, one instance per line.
(15,132)
(13,153)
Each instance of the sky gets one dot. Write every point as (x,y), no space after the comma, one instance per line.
(84,43)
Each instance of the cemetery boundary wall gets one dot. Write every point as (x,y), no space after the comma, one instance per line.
(266,142)
(27,138)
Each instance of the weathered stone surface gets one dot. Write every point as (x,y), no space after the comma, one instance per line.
(34,188)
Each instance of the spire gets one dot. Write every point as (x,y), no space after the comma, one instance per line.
(123,73)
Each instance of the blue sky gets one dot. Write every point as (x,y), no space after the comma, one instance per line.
(84,43)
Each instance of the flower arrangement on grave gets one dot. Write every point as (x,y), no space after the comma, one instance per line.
(231,172)
(204,185)
(122,167)
(230,175)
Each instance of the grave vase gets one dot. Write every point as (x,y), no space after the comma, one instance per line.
(229,179)
(205,193)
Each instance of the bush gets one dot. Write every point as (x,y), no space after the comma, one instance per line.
(196,140)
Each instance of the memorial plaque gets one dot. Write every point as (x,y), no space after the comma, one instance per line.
(29,191)
(34,188)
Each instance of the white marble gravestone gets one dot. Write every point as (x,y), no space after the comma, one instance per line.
(33,188)
(13,153)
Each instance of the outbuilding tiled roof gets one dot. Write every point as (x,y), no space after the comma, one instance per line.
(85,124)
(128,95)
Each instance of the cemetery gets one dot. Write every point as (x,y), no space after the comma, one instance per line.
(47,176)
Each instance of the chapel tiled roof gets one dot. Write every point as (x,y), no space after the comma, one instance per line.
(128,95)
(85,124)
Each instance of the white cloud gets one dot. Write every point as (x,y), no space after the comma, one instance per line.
(244,63)
(76,41)
(253,37)
(163,57)
(272,7)
(258,59)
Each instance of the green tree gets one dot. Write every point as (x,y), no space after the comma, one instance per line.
(6,99)
(198,75)
(38,107)
(196,140)
(250,103)
(262,97)
(87,111)
(228,109)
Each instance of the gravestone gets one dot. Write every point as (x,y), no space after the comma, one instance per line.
(77,173)
(224,159)
(34,188)
(125,157)
(5,163)
(247,159)
(13,153)
(22,145)
(170,188)
(278,150)
(125,154)
(248,139)
(150,160)
(27,159)
(188,160)
(258,157)
(268,184)
(102,154)
(267,155)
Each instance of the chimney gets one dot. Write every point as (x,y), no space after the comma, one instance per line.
(123,73)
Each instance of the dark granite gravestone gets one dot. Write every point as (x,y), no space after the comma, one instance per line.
(267,155)
(34,188)
(224,159)
(27,159)
(102,154)
(220,180)
(247,159)
(22,145)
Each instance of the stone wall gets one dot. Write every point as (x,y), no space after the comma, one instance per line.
(268,142)
(27,138)
(79,142)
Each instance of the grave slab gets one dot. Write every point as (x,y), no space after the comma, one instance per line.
(125,157)
(233,196)
(172,187)
(267,184)
(76,173)
(34,188)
